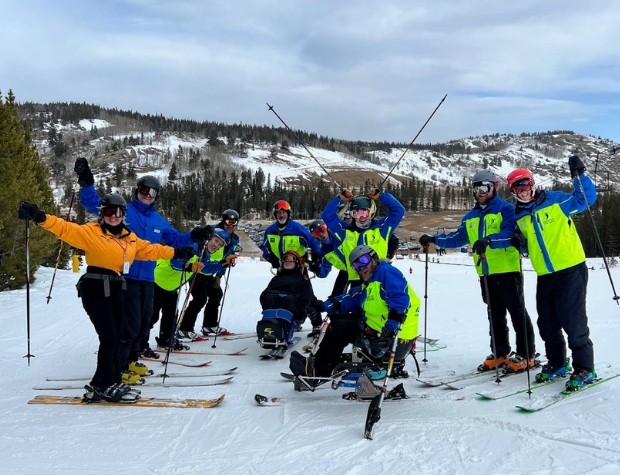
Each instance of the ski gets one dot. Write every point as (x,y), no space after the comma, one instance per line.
(187,365)
(142,402)
(237,336)
(280,353)
(543,402)
(223,372)
(501,393)
(268,401)
(209,353)
(153,384)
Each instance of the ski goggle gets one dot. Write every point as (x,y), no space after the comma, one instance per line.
(148,191)
(361,213)
(289,258)
(319,230)
(521,186)
(281,206)
(482,187)
(361,262)
(231,222)
(113,211)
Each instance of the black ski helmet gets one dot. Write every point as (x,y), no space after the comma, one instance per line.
(230,214)
(112,200)
(315,224)
(363,202)
(151,182)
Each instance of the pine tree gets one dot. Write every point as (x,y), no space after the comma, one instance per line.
(23,177)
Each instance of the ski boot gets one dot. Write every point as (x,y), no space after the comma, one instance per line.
(140,368)
(579,378)
(163,344)
(490,362)
(149,353)
(549,371)
(129,377)
(518,364)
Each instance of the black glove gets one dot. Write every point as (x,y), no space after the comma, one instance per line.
(274,261)
(481,245)
(425,240)
(576,166)
(184,252)
(313,312)
(314,267)
(85,176)
(517,240)
(389,329)
(30,211)
(201,234)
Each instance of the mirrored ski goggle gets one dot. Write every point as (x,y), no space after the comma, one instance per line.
(521,186)
(113,211)
(148,191)
(319,230)
(361,262)
(281,206)
(231,222)
(482,187)
(360,213)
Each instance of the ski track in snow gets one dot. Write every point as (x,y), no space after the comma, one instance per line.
(437,431)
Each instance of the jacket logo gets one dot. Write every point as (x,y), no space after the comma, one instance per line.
(272,239)
(548,219)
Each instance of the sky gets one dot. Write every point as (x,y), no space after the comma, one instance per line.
(355,70)
(437,431)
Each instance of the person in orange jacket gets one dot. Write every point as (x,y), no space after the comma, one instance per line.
(110,248)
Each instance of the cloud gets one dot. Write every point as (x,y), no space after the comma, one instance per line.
(355,70)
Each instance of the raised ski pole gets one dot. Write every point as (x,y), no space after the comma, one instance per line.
(424,360)
(414,139)
(374,410)
(302,144)
(219,317)
(28,355)
(49,295)
(489,314)
(598,239)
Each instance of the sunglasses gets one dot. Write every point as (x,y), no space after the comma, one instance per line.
(231,222)
(361,262)
(148,191)
(113,211)
(281,206)
(361,213)
(520,187)
(319,230)
(483,187)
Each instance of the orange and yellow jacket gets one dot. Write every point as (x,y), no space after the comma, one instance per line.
(103,249)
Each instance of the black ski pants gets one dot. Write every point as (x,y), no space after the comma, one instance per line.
(107,316)
(138,312)
(203,292)
(561,305)
(165,301)
(506,295)
(340,285)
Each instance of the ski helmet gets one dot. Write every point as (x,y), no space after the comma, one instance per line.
(485,176)
(148,181)
(315,224)
(222,234)
(296,257)
(112,200)
(363,202)
(363,250)
(282,205)
(521,176)
(230,215)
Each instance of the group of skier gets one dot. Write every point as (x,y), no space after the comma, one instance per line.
(131,276)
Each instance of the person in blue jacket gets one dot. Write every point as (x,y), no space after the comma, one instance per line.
(365,229)
(546,228)
(488,228)
(143,219)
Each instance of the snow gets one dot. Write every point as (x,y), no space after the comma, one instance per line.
(437,431)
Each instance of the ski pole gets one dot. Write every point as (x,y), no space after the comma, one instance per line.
(219,317)
(598,239)
(28,355)
(424,360)
(49,295)
(302,144)
(489,314)
(374,410)
(411,144)
(521,290)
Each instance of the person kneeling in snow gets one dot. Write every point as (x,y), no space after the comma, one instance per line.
(370,316)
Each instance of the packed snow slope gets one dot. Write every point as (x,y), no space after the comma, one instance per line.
(437,431)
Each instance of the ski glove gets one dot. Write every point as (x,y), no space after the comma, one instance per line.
(30,211)
(389,329)
(201,234)
(517,240)
(346,196)
(374,194)
(481,245)
(314,267)
(85,176)
(231,260)
(184,253)
(313,312)
(425,240)
(274,261)
(576,166)
(194,267)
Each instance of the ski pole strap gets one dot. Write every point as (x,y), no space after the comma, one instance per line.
(106,278)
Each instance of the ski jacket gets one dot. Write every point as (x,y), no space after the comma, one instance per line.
(223,252)
(292,237)
(387,289)
(377,235)
(552,240)
(169,274)
(146,223)
(292,283)
(497,222)
(101,248)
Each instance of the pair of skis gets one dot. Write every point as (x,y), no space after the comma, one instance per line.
(141,402)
